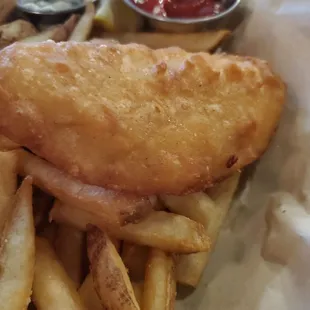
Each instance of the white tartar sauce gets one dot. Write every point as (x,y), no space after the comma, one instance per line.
(50,5)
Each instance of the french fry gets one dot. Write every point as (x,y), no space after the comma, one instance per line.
(8,184)
(224,191)
(117,243)
(15,31)
(108,206)
(135,257)
(196,206)
(160,283)
(110,276)
(17,252)
(8,173)
(52,287)
(84,26)
(64,31)
(6,7)
(56,33)
(69,245)
(167,231)
(42,36)
(138,290)
(191,42)
(209,212)
(107,42)
(6,144)
(89,295)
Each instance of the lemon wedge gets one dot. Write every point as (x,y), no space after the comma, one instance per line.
(116,16)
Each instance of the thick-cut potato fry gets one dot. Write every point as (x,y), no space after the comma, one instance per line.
(138,290)
(52,287)
(56,33)
(84,26)
(135,257)
(117,243)
(89,295)
(209,212)
(64,214)
(15,31)
(69,245)
(191,42)
(8,184)
(195,206)
(42,36)
(167,231)
(17,252)
(8,174)
(107,42)
(110,276)
(160,283)
(6,7)
(6,144)
(108,206)
(224,191)
(64,31)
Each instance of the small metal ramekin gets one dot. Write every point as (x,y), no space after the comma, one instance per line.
(169,24)
(45,17)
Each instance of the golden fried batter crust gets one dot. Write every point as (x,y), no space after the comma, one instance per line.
(129,118)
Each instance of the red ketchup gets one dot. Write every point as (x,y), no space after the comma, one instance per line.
(181,8)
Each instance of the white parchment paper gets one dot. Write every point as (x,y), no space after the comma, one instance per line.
(237,277)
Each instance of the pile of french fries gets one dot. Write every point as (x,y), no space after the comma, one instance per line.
(73,253)
(68,245)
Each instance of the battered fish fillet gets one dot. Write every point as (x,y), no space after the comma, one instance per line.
(129,118)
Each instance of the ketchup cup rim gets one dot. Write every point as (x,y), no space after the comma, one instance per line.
(183,20)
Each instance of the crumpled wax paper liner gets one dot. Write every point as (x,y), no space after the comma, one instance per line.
(237,277)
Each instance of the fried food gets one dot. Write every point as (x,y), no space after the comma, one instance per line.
(8,185)
(69,246)
(211,214)
(167,231)
(6,7)
(8,172)
(110,276)
(160,283)
(138,290)
(129,118)
(135,258)
(56,33)
(15,31)
(7,144)
(108,206)
(84,26)
(17,252)
(89,295)
(52,287)
(191,42)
